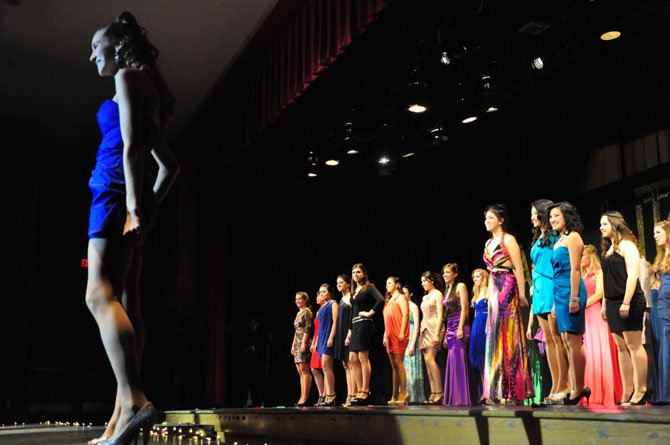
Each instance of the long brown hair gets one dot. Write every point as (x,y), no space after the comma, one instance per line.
(662,261)
(388,295)
(620,232)
(366,280)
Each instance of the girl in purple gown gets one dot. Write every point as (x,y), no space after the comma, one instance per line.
(456,384)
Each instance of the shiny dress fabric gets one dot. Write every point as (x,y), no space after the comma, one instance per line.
(506,357)
(414,369)
(392,325)
(601,373)
(343,315)
(315,362)
(301,325)
(325,316)
(543,275)
(477,348)
(660,333)
(567,322)
(456,382)
(429,328)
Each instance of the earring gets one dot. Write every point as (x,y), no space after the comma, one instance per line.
(117,57)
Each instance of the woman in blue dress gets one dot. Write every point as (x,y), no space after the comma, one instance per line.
(477,352)
(124,208)
(570,294)
(661,307)
(542,294)
(326,342)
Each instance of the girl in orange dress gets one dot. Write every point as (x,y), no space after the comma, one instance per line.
(396,337)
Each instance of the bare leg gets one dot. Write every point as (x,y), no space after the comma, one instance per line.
(577,361)
(130,299)
(625,365)
(400,377)
(433,373)
(638,356)
(552,359)
(394,379)
(305,381)
(356,370)
(329,377)
(108,264)
(352,388)
(318,379)
(366,369)
(563,381)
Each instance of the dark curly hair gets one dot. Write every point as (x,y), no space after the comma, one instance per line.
(434,278)
(573,223)
(133,51)
(500,211)
(541,206)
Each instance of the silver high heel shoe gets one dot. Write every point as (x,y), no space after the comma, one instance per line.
(143,419)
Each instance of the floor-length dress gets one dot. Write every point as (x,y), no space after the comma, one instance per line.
(601,373)
(477,351)
(660,333)
(414,366)
(506,358)
(456,382)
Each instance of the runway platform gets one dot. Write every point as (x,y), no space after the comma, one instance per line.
(384,425)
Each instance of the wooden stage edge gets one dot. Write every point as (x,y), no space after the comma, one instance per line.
(434,425)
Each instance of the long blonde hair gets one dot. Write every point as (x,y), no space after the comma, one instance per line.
(591,251)
(662,261)
(484,286)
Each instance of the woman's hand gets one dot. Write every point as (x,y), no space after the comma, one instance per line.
(346,341)
(573,307)
(329,343)
(364,314)
(523,302)
(303,348)
(436,341)
(133,225)
(459,334)
(384,342)
(401,338)
(603,314)
(624,309)
(553,311)
(444,342)
(529,332)
(410,350)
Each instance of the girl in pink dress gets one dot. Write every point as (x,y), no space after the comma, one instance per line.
(601,374)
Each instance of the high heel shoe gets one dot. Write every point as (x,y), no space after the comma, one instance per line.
(142,420)
(351,400)
(437,400)
(646,397)
(586,392)
(363,401)
(300,405)
(98,440)
(403,401)
(332,402)
(622,402)
(319,401)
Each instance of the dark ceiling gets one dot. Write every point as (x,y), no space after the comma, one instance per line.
(490,46)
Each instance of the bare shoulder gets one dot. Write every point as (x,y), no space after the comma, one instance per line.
(627,246)
(509,239)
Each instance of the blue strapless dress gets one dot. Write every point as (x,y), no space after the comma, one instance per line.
(567,322)
(107,183)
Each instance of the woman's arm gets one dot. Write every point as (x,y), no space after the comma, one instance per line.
(598,294)
(575,247)
(462,293)
(130,99)
(632,258)
(305,335)
(440,315)
(333,328)
(517,264)
(413,333)
(531,322)
(168,167)
(404,310)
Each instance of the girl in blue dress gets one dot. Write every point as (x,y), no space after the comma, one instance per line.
(124,207)
(570,294)
(326,341)
(477,352)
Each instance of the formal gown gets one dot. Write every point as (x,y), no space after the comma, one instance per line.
(660,333)
(456,382)
(601,373)
(477,349)
(506,358)
(414,367)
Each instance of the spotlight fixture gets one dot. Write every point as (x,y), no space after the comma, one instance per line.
(312,165)
(384,160)
(537,63)
(312,175)
(352,151)
(491,109)
(408,153)
(332,162)
(469,119)
(610,35)
(417,94)
(444,59)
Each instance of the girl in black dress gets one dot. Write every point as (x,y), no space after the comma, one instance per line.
(624,304)
(365,303)
(341,343)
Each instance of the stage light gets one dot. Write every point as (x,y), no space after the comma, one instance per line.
(312,165)
(332,162)
(417,108)
(537,63)
(469,119)
(417,95)
(312,174)
(352,151)
(444,59)
(408,154)
(491,109)
(610,35)
(384,160)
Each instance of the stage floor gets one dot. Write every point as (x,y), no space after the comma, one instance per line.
(391,425)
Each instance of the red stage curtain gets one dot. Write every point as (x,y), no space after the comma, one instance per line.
(320,32)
